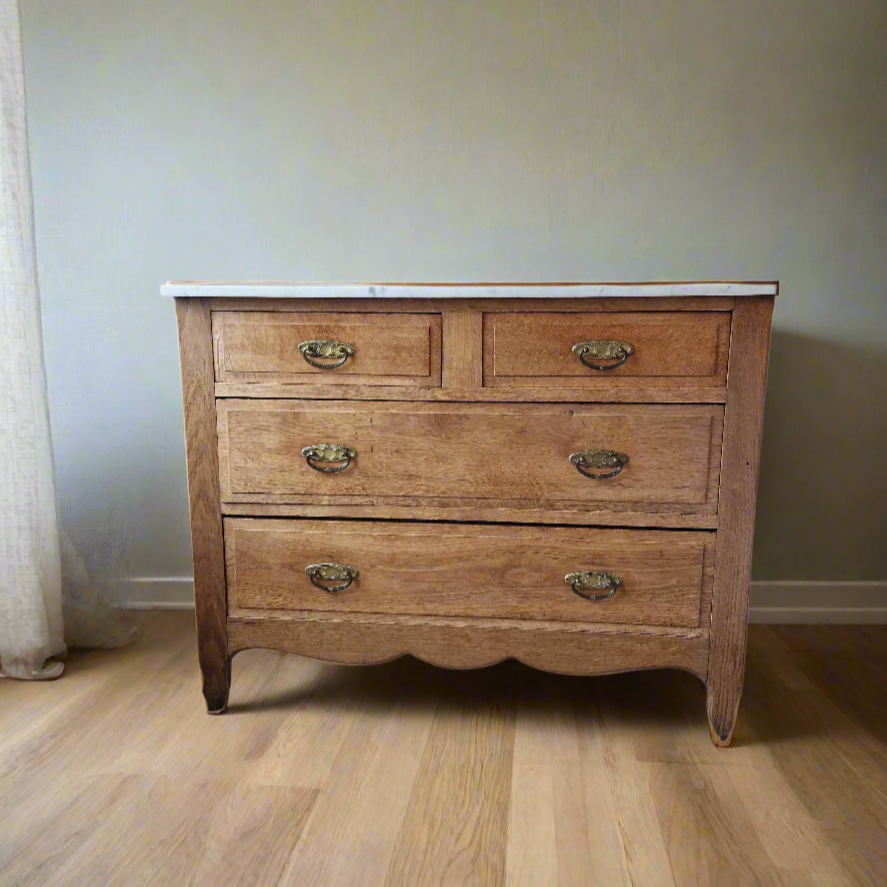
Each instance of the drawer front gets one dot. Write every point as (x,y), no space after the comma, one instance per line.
(380,349)
(470,570)
(687,348)
(457,452)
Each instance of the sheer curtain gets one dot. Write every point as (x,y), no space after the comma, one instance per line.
(31,626)
(36,619)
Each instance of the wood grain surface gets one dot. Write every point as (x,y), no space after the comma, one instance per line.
(409,774)
(460,642)
(613,393)
(463,350)
(451,452)
(479,405)
(439,305)
(201,453)
(529,349)
(395,349)
(480,570)
(597,516)
(749,349)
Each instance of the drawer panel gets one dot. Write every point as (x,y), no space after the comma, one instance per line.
(441,453)
(386,349)
(687,348)
(469,570)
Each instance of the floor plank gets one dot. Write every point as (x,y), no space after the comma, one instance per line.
(404,774)
(350,838)
(454,833)
(800,733)
(563,830)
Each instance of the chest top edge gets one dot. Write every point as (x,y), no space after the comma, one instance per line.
(542,290)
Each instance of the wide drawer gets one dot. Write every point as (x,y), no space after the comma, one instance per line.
(455,452)
(335,349)
(507,572)
(588,349)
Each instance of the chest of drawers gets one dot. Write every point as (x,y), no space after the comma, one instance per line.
(562,474)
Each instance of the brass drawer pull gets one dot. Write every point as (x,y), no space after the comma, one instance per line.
(598,459)
(334,457)
(340,573)
(582,583)
(602,349)
(326,349)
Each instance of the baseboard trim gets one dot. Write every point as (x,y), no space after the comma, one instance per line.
(779,602)
(818,615)
(157,605)
(836,603)
(158,593)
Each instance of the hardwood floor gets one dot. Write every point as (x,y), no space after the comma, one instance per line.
(404,774)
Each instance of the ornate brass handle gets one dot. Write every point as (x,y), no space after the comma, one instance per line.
(326,349)
(583,583)
(602,349)
(598,459)
(340,573)
(335,457)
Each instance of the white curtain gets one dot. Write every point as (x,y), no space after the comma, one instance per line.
(31,625)
(36,619)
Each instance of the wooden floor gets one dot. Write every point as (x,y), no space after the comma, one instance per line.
(404,774)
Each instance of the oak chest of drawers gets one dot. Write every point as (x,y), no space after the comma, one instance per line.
(563,474)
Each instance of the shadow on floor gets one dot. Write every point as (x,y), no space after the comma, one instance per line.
(794,691)
(802,683)
(505,684)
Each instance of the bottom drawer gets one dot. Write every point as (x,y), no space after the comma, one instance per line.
(500,572)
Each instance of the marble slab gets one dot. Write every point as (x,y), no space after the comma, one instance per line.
(262,290)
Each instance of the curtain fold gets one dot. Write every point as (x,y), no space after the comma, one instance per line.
(31,622)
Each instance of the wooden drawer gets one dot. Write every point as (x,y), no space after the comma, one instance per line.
(386,349)
(673,349)
(479,570)
(450,453)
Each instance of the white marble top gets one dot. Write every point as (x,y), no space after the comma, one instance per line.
(264,290)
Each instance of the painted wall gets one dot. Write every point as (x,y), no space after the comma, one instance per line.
(462,140)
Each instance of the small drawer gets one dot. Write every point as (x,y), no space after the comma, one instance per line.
(599,349)
(335,349)
(555,456)
(505,572)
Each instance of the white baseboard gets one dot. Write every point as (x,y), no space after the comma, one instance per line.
(159,593)
(837,603)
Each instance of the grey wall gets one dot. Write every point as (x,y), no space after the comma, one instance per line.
(461,140)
